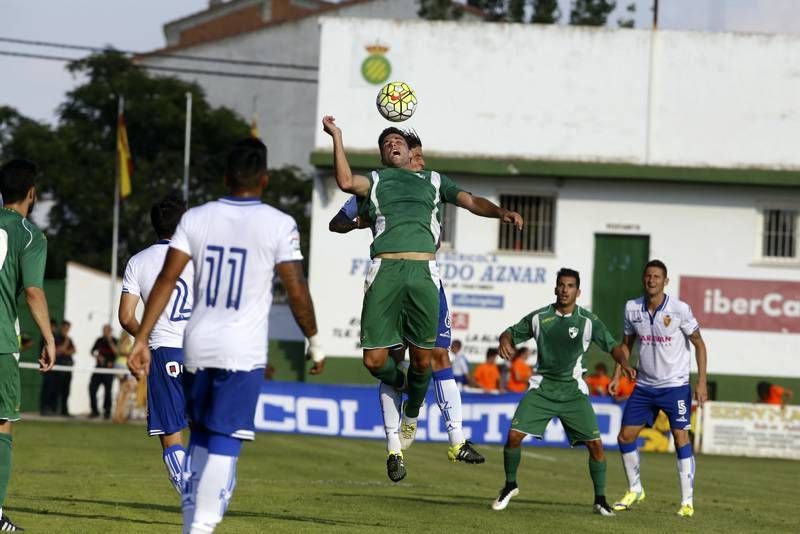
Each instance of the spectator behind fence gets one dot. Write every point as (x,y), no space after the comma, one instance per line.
(519,372)
(105,353)
(460,366)
(773,394)
(598,381)
(487,375)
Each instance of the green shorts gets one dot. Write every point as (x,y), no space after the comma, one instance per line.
(401,303)
(576,414)
(10,396)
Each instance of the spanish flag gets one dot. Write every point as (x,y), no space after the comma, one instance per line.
(123,158)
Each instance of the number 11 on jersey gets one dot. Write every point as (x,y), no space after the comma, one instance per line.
(217,259)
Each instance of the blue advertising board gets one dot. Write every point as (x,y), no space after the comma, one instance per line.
(354,412)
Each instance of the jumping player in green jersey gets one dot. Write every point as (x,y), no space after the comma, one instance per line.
(23,250)
(563,332)
(401,300)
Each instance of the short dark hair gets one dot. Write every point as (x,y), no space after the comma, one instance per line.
(570,273)
(166,214)
(655,263)
(413,140)
(763,389)
(387,132)
(456,342)
(602,366)
(66,323)
(247,163)
(16,179)
(492,353)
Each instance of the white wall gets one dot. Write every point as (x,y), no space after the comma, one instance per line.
(575,94)
(697,230)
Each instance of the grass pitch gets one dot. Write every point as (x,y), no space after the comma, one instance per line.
(80,477)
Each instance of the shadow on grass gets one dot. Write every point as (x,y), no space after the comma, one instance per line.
(285,516)
(73,515)
(464,500)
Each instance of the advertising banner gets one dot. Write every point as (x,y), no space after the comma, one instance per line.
(744,429)
(738,304)
(354,412)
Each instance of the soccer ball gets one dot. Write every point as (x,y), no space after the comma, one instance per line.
(396,101)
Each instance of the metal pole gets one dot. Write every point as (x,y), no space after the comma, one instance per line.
(650,89)
(115,231)
(187,147)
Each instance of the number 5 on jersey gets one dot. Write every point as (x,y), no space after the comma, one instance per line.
(232,261)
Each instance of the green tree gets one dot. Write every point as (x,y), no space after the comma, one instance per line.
(440,10)
(545,11)
(77,158)
(516,10)
(591,12)
(630,21)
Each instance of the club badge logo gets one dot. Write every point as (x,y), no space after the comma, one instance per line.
(573,331)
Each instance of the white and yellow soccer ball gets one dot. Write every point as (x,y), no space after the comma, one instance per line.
(396,101)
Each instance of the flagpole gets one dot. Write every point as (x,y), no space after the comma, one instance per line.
(187,147)
(115,231)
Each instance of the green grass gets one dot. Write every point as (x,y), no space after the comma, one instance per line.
(102,478)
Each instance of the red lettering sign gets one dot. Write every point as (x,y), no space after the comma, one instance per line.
(733,304)
(459,320)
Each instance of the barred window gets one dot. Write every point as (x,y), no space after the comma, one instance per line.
(537,234)
(779,235)
(448,237)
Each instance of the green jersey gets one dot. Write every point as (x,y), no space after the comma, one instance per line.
(562,340)
(23,251)
(404,208)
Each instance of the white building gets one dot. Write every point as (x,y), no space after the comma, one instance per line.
(616,146)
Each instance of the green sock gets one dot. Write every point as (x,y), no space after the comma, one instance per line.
(511,459)
(389,374)
(417,388)
(5,465)
(597,469)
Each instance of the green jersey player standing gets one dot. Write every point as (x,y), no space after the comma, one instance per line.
(563,332)
(401,299)
(23,250)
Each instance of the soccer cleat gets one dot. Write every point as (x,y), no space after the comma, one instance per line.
(602,507)
(7,526)
(686,510)
(464,452)
(509,491)
(395,467)
(408,431)
(628,500)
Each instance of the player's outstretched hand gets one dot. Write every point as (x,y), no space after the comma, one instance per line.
(512,217)
(47,359)
(329,125)
(701,392)
(629,371)
(139,359)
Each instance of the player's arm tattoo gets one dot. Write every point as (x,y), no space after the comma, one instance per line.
(293,279)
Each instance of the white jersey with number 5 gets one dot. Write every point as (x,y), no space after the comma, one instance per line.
(235,244)
(663,340)
(140,276)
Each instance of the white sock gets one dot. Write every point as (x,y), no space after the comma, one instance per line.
(686,478)
(630,460)
(390,406)
(174,459)
(194,465)
(448,397)
(214,492)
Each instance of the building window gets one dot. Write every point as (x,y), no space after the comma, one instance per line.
(448,237)
(779,235)
(537,234)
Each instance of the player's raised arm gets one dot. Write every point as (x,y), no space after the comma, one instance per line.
(345,179)
(176,260)
(700,354)
(293,279)
(486,208)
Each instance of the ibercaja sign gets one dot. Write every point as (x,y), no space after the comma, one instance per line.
(738,304)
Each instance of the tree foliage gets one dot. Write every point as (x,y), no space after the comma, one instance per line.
(545,12)
(582,12)
(591,12)
(77,158)
(440,10)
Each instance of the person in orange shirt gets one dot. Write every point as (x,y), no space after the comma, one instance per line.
(520,372)
(598,381)
(487,375)
(773,394)
(624,389)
